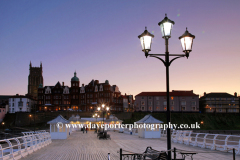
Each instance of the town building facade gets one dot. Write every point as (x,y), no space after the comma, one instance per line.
(184,101)
(128,103)
(20,103)
(219,103)
(79,98)
(4,102)
(3,106)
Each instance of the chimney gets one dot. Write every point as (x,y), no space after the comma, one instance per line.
(125,94)
(96,82)
(235,94)
(204,93)
(63,84)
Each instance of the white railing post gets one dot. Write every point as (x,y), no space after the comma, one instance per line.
(25,143)
(182,136)
(179,136)
(175,137)
(214,142)
(1,149)
(39,141)
(189,138)
(225,143)
(19,146)
(195,142)
(10,148)
(204,141)
(238,147)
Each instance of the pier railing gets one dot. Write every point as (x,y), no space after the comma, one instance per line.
(219,142)
(18,147)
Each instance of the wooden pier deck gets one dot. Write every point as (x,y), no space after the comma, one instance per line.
(81,146)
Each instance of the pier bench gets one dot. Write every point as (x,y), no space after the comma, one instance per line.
(103,135)
(185,154)
(154,154)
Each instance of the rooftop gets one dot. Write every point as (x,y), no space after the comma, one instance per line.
(173,93)
(218,95)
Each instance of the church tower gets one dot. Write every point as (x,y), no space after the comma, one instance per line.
(34,79)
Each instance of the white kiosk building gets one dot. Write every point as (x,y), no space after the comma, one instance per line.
(113,123)
(147,132)
(60,131)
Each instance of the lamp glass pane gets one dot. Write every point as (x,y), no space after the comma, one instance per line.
(166,29)
(142,44)
(146,42)
(161,26)
(187,42)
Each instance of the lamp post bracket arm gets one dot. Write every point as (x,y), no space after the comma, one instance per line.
(175,59)
(159,59)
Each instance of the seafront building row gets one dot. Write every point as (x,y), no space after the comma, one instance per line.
(86,98)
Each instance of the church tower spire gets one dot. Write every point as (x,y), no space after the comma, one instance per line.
(35,78)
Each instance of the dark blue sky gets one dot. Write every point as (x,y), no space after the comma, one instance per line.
(99,40)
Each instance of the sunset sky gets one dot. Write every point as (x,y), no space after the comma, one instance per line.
(99,39)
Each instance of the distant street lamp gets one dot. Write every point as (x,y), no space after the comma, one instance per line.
(96,116)
(30,119)
(186,42)
(103,109)
(3,126)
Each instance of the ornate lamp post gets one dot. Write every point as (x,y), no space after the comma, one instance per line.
(96,116)
(103,109)
(186,42)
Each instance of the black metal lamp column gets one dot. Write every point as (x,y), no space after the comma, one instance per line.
(186,42)
(96,116)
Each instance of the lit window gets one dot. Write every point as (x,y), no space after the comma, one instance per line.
(183,102)
(165,103)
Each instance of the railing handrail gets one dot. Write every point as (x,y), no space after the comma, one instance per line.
(206,140)
(25,144)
